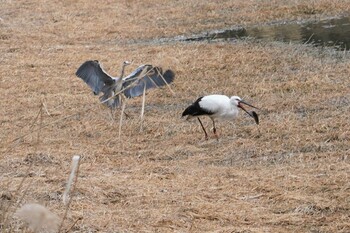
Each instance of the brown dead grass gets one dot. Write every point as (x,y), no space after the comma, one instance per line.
(290,174)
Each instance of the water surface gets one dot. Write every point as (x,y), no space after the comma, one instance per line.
(333,32)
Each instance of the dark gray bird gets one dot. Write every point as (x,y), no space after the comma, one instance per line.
(142,78)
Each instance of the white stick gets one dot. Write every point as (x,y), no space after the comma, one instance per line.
(45,107)
(75,166)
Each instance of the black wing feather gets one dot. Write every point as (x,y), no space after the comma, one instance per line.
(196,110)
(94,76)
(152,77)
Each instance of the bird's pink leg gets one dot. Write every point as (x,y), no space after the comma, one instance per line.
(214,130)
(205,132)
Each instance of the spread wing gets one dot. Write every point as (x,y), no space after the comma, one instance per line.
(93,75)
(146,76)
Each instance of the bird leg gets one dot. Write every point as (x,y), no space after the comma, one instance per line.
(214,130)
(112,114)
(122,100)
(143,107)
(121,118)
(205,132)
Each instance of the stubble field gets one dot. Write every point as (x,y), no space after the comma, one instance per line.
(289,174)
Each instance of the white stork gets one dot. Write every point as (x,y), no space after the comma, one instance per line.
(217,106)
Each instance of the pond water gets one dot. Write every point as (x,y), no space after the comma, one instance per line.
(333,32)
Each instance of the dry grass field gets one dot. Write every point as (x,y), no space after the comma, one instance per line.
(289,174)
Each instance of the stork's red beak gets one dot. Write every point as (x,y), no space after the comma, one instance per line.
(252,113)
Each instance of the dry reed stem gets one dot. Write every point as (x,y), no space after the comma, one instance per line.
(167,84)
(143,108)
(73,224)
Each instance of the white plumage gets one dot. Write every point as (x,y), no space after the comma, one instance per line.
(220,106)
(217,106)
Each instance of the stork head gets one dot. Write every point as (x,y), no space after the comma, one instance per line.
(235,100)
(238,102)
